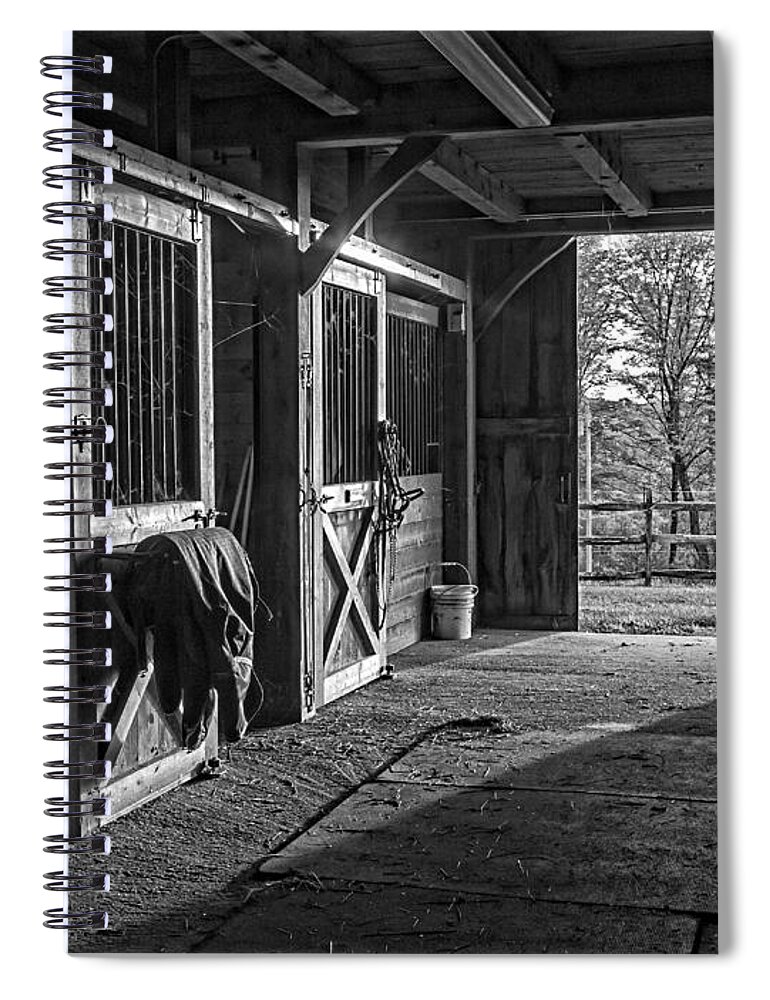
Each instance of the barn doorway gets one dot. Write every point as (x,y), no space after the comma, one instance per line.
(646,433)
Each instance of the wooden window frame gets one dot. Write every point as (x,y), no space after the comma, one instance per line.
(130,523)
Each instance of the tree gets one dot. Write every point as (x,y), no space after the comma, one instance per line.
(599,314)
(665,293)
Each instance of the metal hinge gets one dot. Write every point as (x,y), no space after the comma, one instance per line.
(196,223)
(306,370)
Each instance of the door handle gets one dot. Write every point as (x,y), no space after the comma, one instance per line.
(565,487)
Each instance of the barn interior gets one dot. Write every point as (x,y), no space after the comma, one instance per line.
(317,232)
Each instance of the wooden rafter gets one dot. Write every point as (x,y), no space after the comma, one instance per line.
(303,65)
(459,173)
(601,157)
(617,99)
(408,158)
(535,256)
(485,64)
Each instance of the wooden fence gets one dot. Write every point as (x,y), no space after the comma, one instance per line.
(648,507)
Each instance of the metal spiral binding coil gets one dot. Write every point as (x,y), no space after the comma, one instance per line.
(58,100)
(54,66)
(84,426)
(82,694)
(58,211)
(59,361)
(60,174)
(62,248)
(78,619)
(68,323)
(56,139)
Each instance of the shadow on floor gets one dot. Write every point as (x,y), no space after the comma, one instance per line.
(489,842)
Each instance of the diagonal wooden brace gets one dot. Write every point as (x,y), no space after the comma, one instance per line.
(537,254)
(408,158)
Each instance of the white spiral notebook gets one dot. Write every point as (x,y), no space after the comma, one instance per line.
(381,430)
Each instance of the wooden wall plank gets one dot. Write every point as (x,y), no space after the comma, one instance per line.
(419,547)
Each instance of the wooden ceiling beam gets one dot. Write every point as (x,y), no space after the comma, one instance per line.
(615,99)
(601,158)
(533,55)
(304,66)
(484,63)
(461,175)
(407,159)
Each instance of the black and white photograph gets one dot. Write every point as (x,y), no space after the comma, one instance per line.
(383,416)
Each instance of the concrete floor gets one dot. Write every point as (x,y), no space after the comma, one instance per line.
(513,793)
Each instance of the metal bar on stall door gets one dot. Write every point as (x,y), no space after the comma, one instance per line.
(356,393)
(440,397)
(336,469)
(140,402)
(409,389)
(424,396)
(370,416)
(327,370)
(174,408)
(127,369)
(119,279)
(350,415)
(389,335)
(347,415)
(344,302)
(398,378)
(406,425)
(432,385)
(162,389)
(150,327)
(415,393)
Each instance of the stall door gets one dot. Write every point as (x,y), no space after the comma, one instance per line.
(163,481)
(350,400)
(527,447)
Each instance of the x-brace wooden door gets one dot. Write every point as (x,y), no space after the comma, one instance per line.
(349,395)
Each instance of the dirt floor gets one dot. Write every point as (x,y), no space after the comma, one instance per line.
(596,753)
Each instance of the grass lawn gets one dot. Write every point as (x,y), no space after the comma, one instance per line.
(665,608)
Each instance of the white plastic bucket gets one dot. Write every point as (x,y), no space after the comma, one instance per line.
(451,607)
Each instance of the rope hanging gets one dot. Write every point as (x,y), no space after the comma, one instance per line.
(392,504)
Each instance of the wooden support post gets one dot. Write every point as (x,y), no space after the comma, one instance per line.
(470,420)
(459,425)
(304,195)
(358,163)
(647,537)
(276,539)
(171,103)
